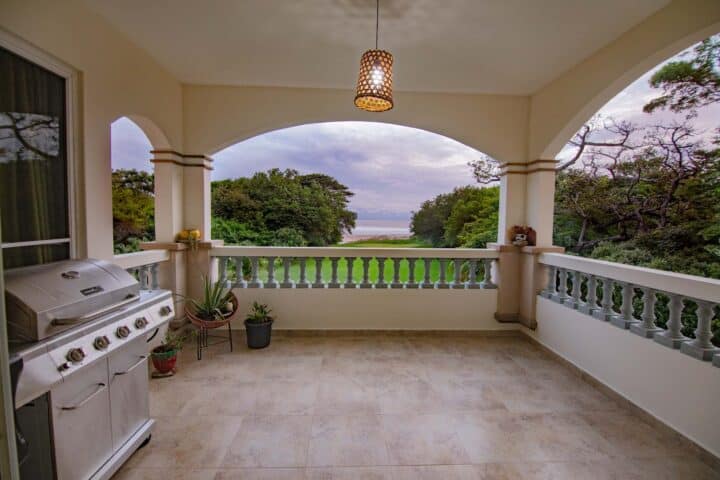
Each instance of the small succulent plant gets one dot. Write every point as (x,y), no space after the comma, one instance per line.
(215,304)
(259,313)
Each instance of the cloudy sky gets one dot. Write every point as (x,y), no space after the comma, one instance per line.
(391,169)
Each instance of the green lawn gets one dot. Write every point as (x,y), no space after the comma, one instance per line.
(358,265)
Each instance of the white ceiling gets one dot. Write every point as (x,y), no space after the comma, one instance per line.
(478,46)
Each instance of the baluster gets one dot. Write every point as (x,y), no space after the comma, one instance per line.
(396,274)
(222,268)
(589,306)
(334,275)
(606,312)
(472,275)
(550,289)
(255,281)
(457,283)
(702,347)
(442,283)
(411,283)
(673,337)
(487,282)
(381,273)
(561,292)
(366,273)
(239,278)
(303,283)
(427,283)
(143,277)
(349,282)
(318,283)
(647,327)
(287,282)
(271,282)
(625,319)
(154,282)
(574,300)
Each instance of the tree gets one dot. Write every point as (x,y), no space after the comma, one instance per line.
(467,217)
(283,208)
(689,84)
(133,209)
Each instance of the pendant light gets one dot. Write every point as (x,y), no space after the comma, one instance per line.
(374,87)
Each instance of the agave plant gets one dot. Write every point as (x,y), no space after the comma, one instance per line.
(260,313)
(215,303)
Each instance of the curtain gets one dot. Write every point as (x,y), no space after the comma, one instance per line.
(33,162)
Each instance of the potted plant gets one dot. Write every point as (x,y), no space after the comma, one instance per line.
(164,356)
(215,308)
(258,326)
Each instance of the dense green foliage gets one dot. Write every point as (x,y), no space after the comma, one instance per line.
(133,209)
(466,217)
(689,84)
(281,208)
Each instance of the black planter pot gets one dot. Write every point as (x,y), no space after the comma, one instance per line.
(258,334)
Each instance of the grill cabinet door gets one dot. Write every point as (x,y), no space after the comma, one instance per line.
(129,403)
(81,422)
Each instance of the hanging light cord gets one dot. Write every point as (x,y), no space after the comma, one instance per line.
(377,22)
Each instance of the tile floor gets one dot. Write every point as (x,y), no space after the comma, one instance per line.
(396,407)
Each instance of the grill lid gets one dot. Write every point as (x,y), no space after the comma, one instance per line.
(70,288)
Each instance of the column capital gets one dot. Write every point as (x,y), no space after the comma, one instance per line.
(181,159)
(525,168)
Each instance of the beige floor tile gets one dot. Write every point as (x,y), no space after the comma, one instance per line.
(201,397)
(270,441)
(285,398)
(187,441)
(350,473)
(416,396)
(347,441)
(159,473)
(629,436)
(261,474)
(345,396)
(424,439)
(439,472)
(468,395)
(552,471)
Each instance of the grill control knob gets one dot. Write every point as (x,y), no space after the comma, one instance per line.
(165,311)
(101,343)
(141,323)
(122,332)
(75,355)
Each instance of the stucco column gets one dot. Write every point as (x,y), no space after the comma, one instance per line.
(196,193)
(512,199)
(540,200)
(168,194)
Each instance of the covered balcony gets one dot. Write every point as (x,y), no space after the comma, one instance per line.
(501,362)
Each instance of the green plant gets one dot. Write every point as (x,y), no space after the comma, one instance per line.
(173,342)
(260,313)
(215,303)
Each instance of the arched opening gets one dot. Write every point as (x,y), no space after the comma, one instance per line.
(639,184)
(133,195)
(359,184)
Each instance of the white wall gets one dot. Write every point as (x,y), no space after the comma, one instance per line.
(386,309)
(679,390)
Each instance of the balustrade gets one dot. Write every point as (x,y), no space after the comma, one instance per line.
(638,286)
(143,266)
(386,269)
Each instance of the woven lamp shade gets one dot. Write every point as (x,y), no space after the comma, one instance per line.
(374,87)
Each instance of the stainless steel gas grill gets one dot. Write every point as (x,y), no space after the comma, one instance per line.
(79,333)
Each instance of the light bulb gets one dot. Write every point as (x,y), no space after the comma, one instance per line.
(377,76)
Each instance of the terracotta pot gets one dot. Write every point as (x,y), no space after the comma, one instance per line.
(210,324)
(164,362)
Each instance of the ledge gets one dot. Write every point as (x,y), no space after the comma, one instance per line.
(172,246)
